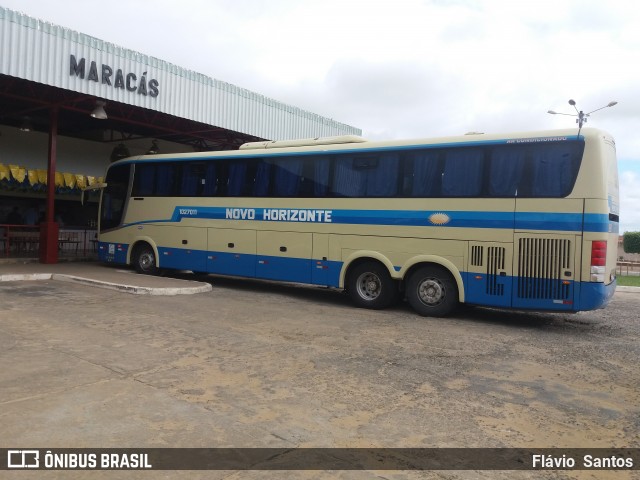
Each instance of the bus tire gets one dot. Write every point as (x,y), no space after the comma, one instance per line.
(144,259)
(432,291)
(370,286)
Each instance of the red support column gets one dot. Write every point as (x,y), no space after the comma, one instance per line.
(49,228)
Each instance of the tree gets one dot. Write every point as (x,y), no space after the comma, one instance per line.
(631,242)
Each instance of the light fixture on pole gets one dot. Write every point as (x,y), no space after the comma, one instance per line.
(153,149)
(99,111)
(582,117)
(26,125)
(119,152)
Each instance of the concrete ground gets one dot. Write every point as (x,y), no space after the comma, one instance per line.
(256,364)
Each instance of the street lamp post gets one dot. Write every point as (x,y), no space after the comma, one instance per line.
(582,117)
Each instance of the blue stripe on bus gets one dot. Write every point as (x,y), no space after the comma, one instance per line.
(571,222)
(599,222)
(581,296)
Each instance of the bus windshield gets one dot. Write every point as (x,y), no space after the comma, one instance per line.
(114,197)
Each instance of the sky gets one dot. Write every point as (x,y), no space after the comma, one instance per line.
(401,68)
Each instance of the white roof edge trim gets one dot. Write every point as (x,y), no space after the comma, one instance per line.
(34,64)
(303,142)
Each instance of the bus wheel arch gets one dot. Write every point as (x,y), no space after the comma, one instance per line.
(432,260)
(144,258)
(431,289)
(370,285)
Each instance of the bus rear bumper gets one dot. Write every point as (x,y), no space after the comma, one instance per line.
(593,296)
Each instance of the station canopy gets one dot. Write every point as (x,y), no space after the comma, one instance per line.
(46,68)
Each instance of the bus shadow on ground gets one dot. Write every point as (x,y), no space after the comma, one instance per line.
(293,290)
(551,321)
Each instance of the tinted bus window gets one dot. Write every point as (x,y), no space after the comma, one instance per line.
(506,170)
(237,180)
(498,171)
(198,179)
(463,173)
(191,179)
(144,180)
(262,180)
(423,174)
(554,169)
(155,179)
(366,175)
(288,177)
(314,176)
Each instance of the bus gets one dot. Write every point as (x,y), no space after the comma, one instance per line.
(526,220)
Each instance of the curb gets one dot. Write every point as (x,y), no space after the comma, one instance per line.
(135,290)
(628,289)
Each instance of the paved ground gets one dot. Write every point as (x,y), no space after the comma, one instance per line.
(255,364)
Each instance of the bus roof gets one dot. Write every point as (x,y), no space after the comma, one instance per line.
(303,142)
(356,143)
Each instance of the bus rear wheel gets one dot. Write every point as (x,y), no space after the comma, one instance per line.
(370,286)
(432,291)
(144,259)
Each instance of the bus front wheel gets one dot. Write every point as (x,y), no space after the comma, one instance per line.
(144,259)
(432,291)
(370,286)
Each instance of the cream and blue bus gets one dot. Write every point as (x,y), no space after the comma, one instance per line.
(523,221)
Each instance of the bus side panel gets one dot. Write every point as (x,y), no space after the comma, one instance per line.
(347,248)
(598,227)
(179,247)
(489,280)
(284,256)
(231,252)
(545,271)
(598,282)
(321,265)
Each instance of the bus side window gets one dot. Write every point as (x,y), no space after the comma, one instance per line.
(237,179)
(423,175)
(262,179)
(349,177)
(366,175)
(505,171)
(209,180)
(555,168)
(144,180)
(382,178)
(165,180)
(321,177)
(314,177)
(463,172)
(288,177)
(189,182)
(198,178)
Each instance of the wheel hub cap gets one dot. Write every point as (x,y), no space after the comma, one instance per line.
(369,286)
(146,261)
(431,292)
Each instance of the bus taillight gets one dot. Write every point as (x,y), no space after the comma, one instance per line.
(598,260)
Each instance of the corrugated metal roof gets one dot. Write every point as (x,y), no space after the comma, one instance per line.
(42,52)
